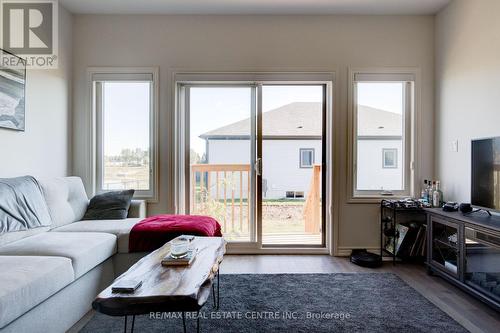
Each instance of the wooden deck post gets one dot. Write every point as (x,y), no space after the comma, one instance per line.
(312,207)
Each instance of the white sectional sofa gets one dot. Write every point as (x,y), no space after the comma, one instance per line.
(50,275)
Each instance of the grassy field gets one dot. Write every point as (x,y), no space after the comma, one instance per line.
(279,217)
(119,177)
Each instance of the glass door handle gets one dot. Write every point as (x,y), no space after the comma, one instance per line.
(258,166)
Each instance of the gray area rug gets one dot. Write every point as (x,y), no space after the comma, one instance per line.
(341,302)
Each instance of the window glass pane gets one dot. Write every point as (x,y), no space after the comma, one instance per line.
(390,158)
(220,151)
(126,135)
(380,119)
(307,157)
(292,122)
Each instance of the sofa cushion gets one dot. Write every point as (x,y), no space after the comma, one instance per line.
(66,199)
(27,281)
(119,228)
(22,205)
(112,205)
(85,249)
(13,236)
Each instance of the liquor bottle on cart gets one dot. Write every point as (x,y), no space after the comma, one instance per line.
(424,194)
(437,195)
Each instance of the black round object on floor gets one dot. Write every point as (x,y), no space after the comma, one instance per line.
(364,258)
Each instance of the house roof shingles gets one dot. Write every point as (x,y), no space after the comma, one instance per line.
(303,119)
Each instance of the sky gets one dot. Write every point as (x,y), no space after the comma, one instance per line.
(212,108)
(126,116)
(381,95)
(126,105)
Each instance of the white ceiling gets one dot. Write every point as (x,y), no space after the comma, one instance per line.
(355,7)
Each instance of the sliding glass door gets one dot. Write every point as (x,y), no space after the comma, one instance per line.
(254,160)
(292,155)
(221,149)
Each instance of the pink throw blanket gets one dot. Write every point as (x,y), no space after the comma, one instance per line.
(153,232)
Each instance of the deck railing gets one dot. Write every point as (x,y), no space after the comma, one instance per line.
(222,191)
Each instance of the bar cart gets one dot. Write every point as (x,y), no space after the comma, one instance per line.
(403,230)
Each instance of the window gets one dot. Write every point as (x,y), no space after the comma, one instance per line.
(294,194)
(299,194)
(125,145)
(382,108)
(389,158)
(306,157)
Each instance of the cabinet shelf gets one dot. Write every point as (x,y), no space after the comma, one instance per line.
(446,243)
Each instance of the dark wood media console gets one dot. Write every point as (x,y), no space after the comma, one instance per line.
(465,250)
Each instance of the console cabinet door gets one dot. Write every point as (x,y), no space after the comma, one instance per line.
(444,246)
(482,262)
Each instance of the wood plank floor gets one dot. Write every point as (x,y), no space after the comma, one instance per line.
(470,313)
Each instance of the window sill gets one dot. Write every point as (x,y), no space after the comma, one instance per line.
(147,198)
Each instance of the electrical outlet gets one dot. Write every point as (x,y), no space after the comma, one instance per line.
(454,146)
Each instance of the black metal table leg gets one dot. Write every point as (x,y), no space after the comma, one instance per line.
(133,324)
(213,295)
(218,296)
(198,322)
(394,237)
(184,321)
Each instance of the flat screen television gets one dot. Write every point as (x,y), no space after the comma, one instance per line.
(485,180)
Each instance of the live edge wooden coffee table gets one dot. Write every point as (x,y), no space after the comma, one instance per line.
(168,289)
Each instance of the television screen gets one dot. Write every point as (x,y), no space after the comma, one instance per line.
(485,189)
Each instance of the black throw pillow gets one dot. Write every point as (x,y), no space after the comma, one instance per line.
(109,206)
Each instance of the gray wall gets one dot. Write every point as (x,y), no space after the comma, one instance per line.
(43,149)
(467,87)
(236,43)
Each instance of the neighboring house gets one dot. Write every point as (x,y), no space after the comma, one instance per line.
(292,145)
(379,144)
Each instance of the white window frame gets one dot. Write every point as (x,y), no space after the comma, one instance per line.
(411,123)
(127,74)
(301,160)
(393,151)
